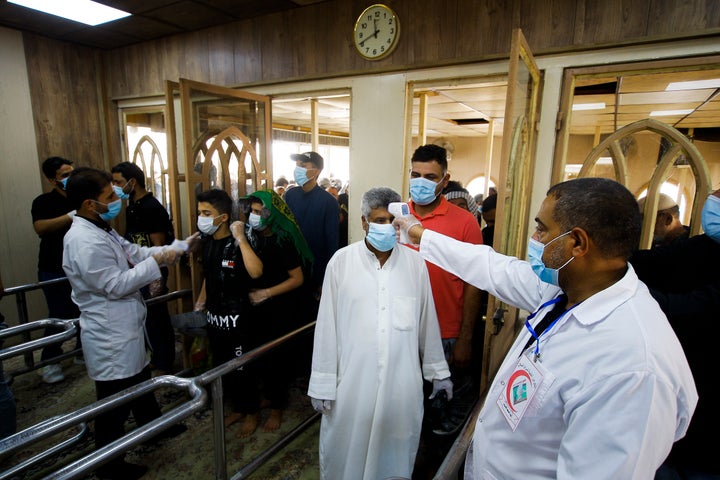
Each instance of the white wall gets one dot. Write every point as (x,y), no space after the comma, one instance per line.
(19,178)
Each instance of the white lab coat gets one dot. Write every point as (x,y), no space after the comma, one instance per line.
(623,391)
(106,289)
(376,336)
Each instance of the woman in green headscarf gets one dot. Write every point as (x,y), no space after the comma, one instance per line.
(278,296)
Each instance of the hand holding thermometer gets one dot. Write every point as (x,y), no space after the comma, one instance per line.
(400,209)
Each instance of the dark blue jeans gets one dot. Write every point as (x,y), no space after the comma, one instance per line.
(60,305)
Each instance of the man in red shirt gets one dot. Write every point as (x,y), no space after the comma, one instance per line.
(456,302)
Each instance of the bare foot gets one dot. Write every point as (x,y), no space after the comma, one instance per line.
(233,417)
(274,420)
(249,425)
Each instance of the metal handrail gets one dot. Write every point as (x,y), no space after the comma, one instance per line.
(198,400)
(33,286)
(69,331)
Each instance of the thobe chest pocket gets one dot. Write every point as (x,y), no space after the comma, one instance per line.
(404,316)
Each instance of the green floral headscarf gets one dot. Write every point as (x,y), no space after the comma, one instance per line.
(283,224)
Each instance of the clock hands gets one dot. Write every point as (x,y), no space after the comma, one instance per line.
(374,34)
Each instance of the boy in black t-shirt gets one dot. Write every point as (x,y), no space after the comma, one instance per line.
(229,265)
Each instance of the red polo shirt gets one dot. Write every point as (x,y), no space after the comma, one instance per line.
(447,289)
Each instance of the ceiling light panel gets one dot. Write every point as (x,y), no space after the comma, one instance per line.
(83,11)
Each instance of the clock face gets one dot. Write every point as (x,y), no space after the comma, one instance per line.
(376,32)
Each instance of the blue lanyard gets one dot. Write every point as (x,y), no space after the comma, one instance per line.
(532,330)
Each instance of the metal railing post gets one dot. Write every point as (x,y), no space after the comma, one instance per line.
(21,302)
(219,429)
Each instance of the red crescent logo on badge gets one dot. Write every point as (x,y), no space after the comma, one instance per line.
(511,381)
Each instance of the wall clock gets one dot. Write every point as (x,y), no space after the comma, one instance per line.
(376,32)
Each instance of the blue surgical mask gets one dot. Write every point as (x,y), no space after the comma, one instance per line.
(206,225)
(120,193)
(711,218)
(381,236)
(422,190)
(254,220)
(113,209)
(63,182)
(301,177)
(535,254)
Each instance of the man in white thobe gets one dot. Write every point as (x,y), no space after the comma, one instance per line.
(376,337)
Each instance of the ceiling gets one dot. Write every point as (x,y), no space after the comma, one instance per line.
(150,19)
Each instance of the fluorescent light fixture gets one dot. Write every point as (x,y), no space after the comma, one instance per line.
(604,161)
(670,113)
(693,85)
(588,106)
(84,11)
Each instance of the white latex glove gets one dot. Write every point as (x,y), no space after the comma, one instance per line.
(403,225)
(187,245)
(259,296)
(71,214)
(322,406)
(167,256)
(237,228)
(440,385)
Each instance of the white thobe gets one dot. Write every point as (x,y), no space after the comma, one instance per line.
(623,391)
(376,336)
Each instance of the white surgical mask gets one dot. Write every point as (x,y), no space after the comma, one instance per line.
(382,236)
(206,225)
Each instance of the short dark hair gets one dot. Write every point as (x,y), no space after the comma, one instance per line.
(281,182)
(219,199)
(605,209)
(86,183)
(129,171)
(51,165)
(429,153)
(490,203)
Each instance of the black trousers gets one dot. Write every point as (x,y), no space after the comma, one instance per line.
(111,425)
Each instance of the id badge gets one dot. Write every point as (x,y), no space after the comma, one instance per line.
(520,388)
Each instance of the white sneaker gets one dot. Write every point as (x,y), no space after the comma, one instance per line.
(52,374)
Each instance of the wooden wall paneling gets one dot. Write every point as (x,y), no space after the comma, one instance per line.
(194,58)
(222,55)
(483,28)
(67,113)
(668,16)
(431,31)
(549,26)
(169,60)
(614,21)
(279,54)
(342,55)
(309,33)
(246,50)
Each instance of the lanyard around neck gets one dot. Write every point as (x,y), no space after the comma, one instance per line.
(532,330)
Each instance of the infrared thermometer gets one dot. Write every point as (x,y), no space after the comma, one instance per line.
(400,209)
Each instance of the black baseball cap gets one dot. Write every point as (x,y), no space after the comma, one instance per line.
(312,157)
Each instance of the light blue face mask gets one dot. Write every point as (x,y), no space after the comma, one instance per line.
(301,177)
(63,182)
(113,209)
(381,236)
(422,190)
(120,193)
(711,218)
(255,221)
(535,254)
